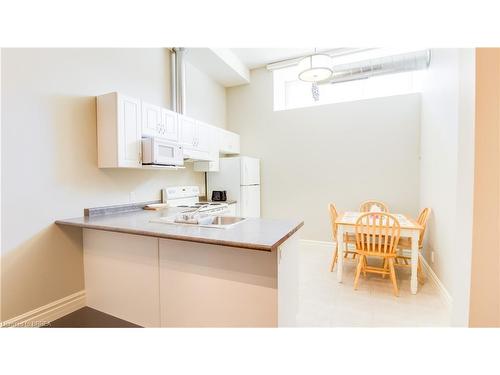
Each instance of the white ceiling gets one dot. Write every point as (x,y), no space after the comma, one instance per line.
(258,57)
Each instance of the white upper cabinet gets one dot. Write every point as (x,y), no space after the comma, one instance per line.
(229,142)
(122,121)
(197,138)
(151,119)
(159,122)
(170,125)
(205,136)
(187,132)
(118,131)
(208,147)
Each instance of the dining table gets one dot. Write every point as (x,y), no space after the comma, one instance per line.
(346,224)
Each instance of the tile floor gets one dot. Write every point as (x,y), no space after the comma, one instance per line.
(323,302)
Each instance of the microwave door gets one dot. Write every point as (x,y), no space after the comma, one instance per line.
(166,154)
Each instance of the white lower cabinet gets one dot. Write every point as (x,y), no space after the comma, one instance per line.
(156,282)
(203,285)
(121,275)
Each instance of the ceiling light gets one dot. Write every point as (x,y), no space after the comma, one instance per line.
(315,68)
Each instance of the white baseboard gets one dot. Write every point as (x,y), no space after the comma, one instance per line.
(446,297)
(48,313)
(432,276)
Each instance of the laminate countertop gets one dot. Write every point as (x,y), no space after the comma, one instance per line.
(253,233)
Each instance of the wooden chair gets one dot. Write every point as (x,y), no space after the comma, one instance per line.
(405,244)
(348,239)
(377,235)
(367,205)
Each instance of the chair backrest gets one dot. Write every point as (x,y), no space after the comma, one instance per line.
(422,220)
(377,233)
(333,216)
(367,205)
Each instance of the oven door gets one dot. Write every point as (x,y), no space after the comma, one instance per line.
(167,153)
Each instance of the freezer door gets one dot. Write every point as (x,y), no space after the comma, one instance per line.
(250,171)
(250,201)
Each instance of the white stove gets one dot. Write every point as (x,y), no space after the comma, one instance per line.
(188,197)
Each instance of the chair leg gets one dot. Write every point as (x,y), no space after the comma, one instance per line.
(334,258)
(358,271)
(365,264)
(385,266)
(393,276)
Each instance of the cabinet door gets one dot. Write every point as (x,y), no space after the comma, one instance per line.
(151,120)
(121,275)
(129,132)
(203,285)
(169,124)
(205,137)
(187,131)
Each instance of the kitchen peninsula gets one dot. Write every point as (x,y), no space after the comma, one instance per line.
(167,275)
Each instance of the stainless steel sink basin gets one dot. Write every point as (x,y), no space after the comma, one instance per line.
(226,220)
(223,222)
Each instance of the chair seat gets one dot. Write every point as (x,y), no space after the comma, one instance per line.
(405,243)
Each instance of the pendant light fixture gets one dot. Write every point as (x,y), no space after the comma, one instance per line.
(315,68)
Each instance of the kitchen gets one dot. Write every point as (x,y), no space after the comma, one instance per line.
(196,191)
(262,187)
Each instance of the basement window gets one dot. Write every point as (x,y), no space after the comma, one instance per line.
(290,92)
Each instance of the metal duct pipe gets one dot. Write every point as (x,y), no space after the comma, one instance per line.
(333,53)
(173,80)
(178,80)
(380,66)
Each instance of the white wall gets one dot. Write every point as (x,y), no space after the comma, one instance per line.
(49,159)
(205,98)
(446,185)
(343,153)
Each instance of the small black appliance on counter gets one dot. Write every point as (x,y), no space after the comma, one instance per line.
(219,196)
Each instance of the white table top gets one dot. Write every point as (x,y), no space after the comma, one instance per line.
(350,218)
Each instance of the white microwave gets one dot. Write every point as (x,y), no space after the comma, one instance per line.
(158,151)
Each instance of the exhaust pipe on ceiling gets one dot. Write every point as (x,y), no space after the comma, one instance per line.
(178,80)
(380,66)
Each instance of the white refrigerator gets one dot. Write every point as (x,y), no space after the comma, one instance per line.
(240,178)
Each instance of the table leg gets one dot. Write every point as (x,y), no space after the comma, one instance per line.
(414,261)
(340,258)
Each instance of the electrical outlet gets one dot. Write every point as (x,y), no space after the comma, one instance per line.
(132,197)
(432,256)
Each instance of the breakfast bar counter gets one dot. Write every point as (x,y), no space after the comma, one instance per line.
(183,275)
(252,233)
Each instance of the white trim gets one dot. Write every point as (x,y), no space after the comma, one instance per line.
(446,297)
(48,313)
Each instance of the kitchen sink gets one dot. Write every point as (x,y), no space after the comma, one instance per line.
(223,222)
